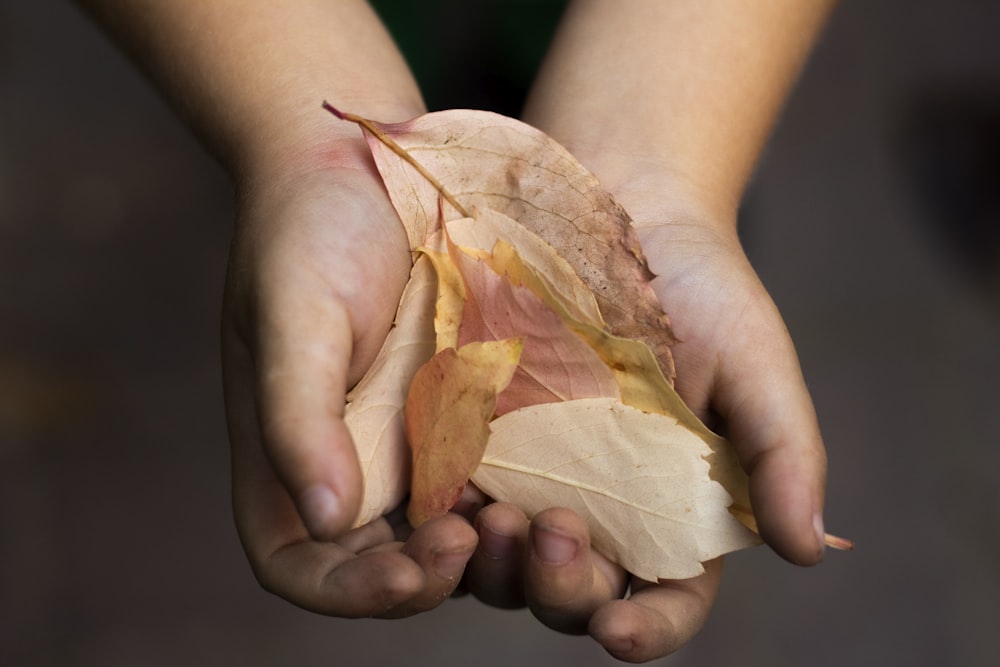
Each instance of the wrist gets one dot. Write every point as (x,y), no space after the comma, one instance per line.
(290,143)
(657,192)
(653,182)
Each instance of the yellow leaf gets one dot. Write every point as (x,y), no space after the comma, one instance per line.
(450,298)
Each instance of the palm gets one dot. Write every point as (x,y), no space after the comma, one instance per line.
(315,275)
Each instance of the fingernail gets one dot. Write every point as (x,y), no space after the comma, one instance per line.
(451,564)
(320,507)
(820,531)
(553,548)
(495,545)
(620,647)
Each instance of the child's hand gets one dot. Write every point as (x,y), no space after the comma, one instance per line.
(735,361)
(316,271)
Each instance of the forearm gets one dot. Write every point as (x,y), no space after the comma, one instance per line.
(674,95)
(249,75)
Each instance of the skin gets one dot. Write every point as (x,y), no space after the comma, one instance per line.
(704,82)
(319,260)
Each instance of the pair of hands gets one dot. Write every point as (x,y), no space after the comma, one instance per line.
(315,275)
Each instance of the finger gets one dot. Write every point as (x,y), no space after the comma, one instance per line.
(368,536)
(324,577)
(470,502)
(772,423)
(329,579)
(441,547)
(566,582)
(657,619)
(495,574)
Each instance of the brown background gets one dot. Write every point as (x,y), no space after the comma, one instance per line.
(873,220)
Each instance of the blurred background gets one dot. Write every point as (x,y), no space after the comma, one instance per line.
(874,220)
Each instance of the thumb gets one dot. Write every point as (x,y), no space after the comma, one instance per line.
(772,423)
(302,373)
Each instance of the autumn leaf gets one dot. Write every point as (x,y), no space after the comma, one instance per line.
(374,411)
(489,161)
(639,479)
(451,400)
(450,302)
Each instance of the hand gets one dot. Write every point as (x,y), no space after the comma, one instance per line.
(738,370)
(317,267)
(736,363)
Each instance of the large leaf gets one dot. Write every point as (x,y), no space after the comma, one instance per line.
(489,161)
(639,479)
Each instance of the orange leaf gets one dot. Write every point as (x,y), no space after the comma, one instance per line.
(451,400)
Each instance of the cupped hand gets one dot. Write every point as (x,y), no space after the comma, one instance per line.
(316,271)
(738,370)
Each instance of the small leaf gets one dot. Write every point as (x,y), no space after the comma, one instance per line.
(450,298)
(640,480)
(450,401)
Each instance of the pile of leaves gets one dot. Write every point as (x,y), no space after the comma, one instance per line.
(530,355)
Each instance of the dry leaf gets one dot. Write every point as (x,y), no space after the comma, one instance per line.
(451,400)
(487,161)
(450,299)
(374,411)
(640,480)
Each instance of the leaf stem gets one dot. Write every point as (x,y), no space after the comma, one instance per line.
(379,134)
(747,518)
